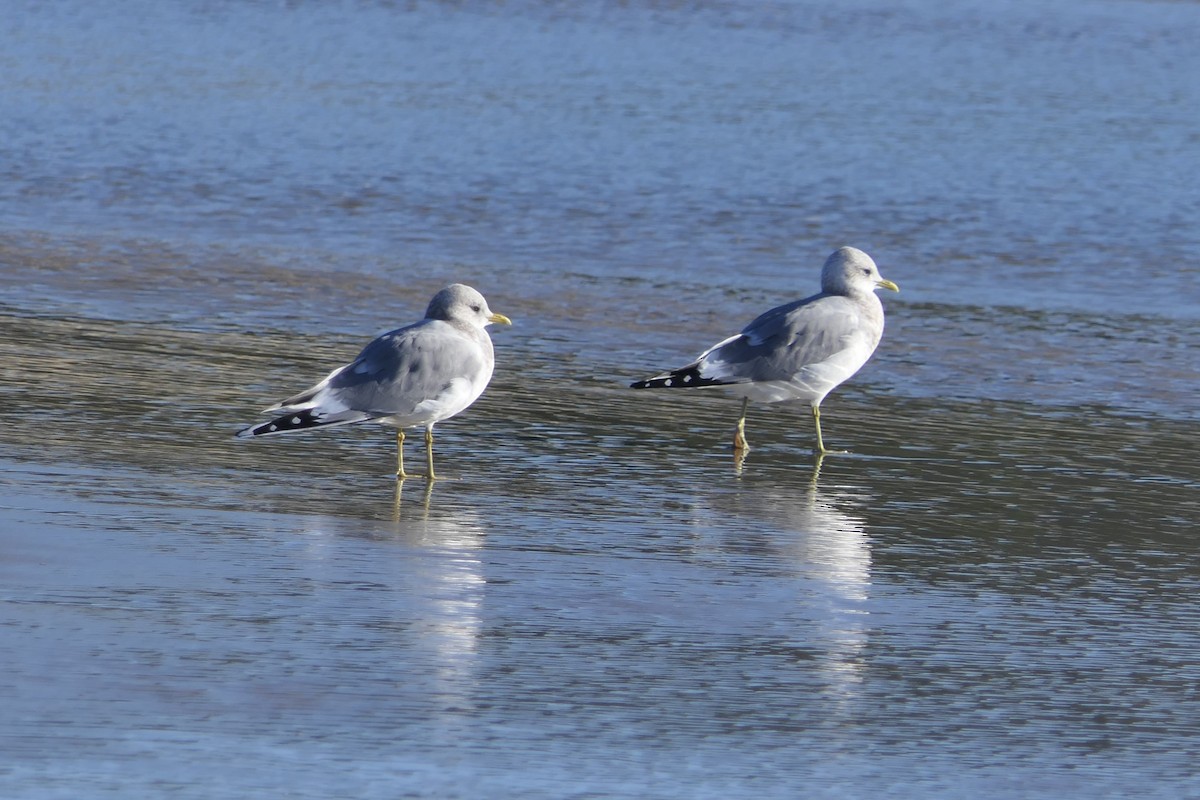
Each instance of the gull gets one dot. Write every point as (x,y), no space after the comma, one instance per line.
(413,376)
(798,351)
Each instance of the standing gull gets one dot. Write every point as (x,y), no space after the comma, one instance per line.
(417,375)
(798,351)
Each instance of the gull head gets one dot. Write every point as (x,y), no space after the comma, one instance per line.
(460,303)
(851,271)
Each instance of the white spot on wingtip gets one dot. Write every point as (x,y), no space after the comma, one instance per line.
(295,420)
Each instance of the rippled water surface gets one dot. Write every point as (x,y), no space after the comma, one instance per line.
(206,206)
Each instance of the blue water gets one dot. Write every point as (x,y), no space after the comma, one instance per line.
(204,207)
(1031,154)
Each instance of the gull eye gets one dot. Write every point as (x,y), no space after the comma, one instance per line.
(866,271)
(477,308)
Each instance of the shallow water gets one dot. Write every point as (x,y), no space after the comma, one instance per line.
(207,207)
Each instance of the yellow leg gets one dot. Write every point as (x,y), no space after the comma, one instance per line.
(400,473)
(429,452)
(740,445)
(817,421)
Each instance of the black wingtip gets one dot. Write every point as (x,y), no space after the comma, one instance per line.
(282,424)
(685,378)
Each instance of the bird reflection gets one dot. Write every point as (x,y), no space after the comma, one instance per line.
(444,586)
(816,471)
(809,534)
(417,603)
(739,462)
(398,498)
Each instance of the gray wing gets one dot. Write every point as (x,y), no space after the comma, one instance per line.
(783,341)
(395,373)
(402,369)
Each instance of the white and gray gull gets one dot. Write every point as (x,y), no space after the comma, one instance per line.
(798,351)
(413,376)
